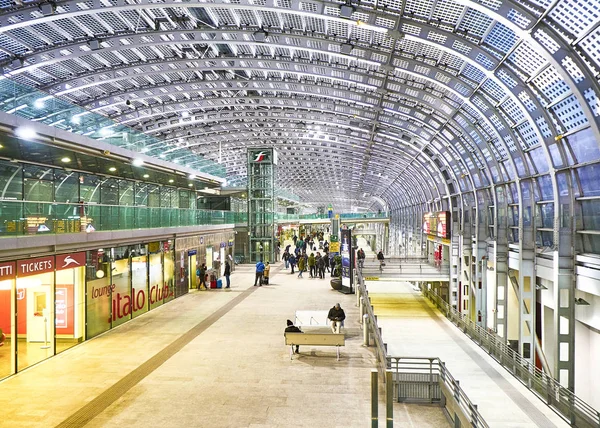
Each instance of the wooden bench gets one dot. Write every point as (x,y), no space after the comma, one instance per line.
(315,339)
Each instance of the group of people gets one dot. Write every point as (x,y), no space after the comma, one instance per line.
(317,264)
(202,271)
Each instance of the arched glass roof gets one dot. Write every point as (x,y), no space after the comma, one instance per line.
(373,102)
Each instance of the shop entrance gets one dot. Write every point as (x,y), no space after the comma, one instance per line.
(192,263)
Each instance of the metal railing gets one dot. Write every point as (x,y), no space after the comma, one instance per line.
(411,381)
(564,402)
(423,380)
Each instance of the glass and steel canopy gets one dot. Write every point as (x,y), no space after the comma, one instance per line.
(372,103)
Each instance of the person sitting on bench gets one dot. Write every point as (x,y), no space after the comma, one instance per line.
(291,328)
(336,315)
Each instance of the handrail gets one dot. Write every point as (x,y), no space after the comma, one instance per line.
(436,368)
(564,402)
(385,362)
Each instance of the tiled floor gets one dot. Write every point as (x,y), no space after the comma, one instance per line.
(229,368)
(412,328)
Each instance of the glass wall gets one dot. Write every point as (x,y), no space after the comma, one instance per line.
(70,300)
(121,286)
(98,292)
(7,308)
(35,310)
(139,280)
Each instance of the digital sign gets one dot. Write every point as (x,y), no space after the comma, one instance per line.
(437,224)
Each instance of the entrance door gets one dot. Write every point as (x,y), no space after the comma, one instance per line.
(38,314)
(192,269)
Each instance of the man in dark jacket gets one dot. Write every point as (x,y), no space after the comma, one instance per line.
(291,328)
(227,272)
(336,315)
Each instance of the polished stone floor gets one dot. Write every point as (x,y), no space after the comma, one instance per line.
(210,359)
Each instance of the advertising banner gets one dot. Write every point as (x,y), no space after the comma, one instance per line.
(346,250)
(437,224)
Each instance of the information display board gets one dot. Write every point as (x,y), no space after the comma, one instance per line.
(346,253)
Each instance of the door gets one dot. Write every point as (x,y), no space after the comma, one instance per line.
(38,314)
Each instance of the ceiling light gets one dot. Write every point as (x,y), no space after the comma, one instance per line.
(191,176)
(105,132)
(146,175)
(25,132)
(1,146)
(112,169)
(137,162)
(191,184)
(66,159)
(185,114)
(171,180)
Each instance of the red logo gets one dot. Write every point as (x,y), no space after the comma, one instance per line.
(260,156)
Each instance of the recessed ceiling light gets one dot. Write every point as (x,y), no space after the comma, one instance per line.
(1,146)
(66,160)
(191,184)
(112,169)
(171,180)
(137,162)
(146,175)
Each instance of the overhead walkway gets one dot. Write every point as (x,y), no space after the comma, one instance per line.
(411,327)
(209,359)
(405,270)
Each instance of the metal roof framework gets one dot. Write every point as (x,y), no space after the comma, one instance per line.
(402,101)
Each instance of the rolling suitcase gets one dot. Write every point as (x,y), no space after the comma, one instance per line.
(219,283)
(213,284)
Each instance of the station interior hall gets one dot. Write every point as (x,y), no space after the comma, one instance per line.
(183,181)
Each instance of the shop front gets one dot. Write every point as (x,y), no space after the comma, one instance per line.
(41,309)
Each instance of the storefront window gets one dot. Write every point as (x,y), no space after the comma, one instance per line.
(70,300)
(121,286)
(98,292)
(7,314)
(139,280)
(169,270)
(35,311)
(157,285)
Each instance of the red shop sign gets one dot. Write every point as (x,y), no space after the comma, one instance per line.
(35,266)
(7,270)
(69,261)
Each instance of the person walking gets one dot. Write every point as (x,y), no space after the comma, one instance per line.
(260,268)
(292,260)
(202,276)
(227,273)
(321,266)
(326,257)
(286,258)
(301,266)
(361,258)
(311,265)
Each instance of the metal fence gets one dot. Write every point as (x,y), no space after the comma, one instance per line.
(422,380)
(574,410)
(415,379)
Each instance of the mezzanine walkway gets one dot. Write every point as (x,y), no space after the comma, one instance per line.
(209,359)
(412,327)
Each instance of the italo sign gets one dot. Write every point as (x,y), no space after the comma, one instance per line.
(123,305)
